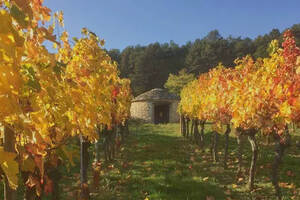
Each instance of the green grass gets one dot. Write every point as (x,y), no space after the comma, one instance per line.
(163,165)
(158,168)
(158,163)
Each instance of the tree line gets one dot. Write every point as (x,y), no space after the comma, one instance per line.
(149,66)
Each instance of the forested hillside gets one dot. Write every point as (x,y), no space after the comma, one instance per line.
(149,66)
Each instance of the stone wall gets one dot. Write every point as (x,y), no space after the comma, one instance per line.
(142,110)
(174,116)
(145,110)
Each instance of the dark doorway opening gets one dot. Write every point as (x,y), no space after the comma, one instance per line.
(161,113)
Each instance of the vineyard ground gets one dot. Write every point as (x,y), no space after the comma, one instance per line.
(157,163)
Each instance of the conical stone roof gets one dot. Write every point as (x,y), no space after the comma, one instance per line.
(156,94)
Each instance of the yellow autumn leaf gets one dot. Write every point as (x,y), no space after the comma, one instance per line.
(10,167)
(6,22)
(28,165)
(298,70)
(285,109)
(298,60)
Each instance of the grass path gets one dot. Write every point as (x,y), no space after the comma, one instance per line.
(157,163)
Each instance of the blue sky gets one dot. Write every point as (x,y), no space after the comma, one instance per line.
(130,22)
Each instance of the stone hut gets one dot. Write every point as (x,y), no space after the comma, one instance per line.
(155,106)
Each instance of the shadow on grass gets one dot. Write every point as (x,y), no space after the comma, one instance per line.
(289,169)
(160,168)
